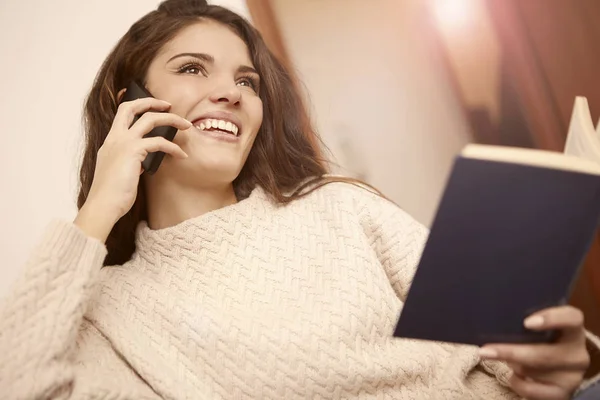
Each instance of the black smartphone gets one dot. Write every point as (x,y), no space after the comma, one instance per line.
(134,91)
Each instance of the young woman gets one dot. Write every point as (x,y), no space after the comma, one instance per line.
(240,269)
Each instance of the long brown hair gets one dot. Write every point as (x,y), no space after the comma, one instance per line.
(286,155)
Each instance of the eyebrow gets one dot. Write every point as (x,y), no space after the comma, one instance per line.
(211,60)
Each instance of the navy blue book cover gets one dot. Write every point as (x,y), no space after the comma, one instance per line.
(507,240)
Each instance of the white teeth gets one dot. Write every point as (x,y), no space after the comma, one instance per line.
(218,124)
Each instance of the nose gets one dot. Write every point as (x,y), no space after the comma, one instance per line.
(226,93)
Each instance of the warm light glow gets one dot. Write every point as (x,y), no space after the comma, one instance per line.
(452,13)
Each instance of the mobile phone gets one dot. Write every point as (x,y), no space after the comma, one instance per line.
(134,91)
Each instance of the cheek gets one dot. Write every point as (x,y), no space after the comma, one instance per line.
(256,114)
(180,93)
(182,138)
(256,124)
(182,101)
(255,118)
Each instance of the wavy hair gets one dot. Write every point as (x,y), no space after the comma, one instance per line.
(286,157)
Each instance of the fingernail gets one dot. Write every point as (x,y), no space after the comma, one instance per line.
(534,322)
(488,353)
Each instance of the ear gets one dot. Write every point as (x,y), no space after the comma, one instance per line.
(120,94)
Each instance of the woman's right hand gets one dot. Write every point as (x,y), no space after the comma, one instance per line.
(119,163)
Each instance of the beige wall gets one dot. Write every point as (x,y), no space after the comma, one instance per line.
(378,91)
(473,51)
(370,83)
(51,51)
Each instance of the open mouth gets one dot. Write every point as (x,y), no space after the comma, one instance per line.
(218,125)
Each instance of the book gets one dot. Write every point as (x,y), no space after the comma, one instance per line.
(509,237)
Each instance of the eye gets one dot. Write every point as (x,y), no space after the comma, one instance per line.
(192,68)
(250,82)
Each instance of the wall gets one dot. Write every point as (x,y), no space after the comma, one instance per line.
(379,94)
(471,44)
(51,53)
(370,80)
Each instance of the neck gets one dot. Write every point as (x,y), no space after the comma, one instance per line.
(170,203)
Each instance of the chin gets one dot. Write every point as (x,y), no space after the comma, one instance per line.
(194,170)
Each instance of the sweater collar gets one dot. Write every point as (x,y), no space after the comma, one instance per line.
(147,239)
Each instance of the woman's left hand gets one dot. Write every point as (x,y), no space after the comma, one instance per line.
(551,371)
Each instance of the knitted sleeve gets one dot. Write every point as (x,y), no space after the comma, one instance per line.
(398,241)
(396,237)
(40,317)
(593,376)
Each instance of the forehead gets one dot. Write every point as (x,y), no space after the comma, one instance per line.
(212,38)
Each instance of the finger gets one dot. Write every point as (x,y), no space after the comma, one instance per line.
(569,380)
(151,120)
(568,319)
(120,94)
(159,143)
(127,110)
(533,390)
(566,357)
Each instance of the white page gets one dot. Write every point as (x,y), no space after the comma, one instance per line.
(582,140)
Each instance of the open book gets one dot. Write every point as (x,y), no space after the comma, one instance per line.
(509,237)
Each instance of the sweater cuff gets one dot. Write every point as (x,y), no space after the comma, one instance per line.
(63,240)
(62,237)
(593,347)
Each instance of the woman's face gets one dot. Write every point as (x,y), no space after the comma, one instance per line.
(207,75)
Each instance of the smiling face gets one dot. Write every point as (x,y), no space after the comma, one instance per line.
(206,73)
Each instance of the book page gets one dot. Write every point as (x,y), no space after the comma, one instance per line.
(583,140)
(532,157)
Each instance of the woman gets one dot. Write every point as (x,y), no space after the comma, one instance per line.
(234,271)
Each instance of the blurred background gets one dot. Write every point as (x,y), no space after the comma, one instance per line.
(396,88)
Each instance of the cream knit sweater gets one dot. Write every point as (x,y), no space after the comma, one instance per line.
(251,301)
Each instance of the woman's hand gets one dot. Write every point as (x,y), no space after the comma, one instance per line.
(119,163)
(547,371)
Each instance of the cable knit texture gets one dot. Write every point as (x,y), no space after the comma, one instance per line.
(251,301)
